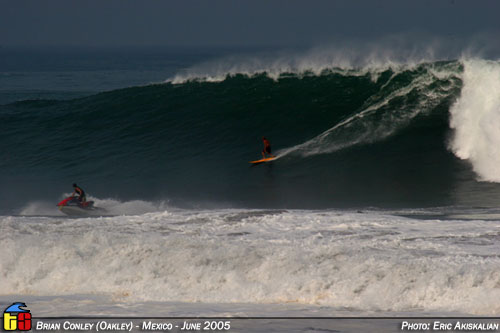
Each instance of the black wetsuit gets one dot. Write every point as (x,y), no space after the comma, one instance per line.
(267,147)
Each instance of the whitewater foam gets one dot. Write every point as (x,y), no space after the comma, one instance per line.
(133,207)
(475,117)
(363,261)
(110,206)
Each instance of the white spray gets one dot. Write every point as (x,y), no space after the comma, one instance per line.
(475,117)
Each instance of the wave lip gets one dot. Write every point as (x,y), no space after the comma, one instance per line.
(349,60)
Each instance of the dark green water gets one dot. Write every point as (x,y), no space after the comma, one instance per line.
(347,138)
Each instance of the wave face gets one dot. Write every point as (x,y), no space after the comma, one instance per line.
(345,137)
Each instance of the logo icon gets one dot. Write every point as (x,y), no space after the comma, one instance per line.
(15,318)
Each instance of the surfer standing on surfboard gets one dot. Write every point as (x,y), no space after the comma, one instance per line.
(267,148)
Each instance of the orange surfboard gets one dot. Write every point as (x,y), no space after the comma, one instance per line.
(268,159)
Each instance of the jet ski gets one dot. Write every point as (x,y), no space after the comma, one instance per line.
(73,207)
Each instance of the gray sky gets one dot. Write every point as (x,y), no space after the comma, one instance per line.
(234,22)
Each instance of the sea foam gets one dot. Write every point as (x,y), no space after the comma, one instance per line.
(362,261)
(475,118)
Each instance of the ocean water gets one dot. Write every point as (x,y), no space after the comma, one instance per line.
(383,200)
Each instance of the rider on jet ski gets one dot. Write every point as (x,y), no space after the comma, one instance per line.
(81,193)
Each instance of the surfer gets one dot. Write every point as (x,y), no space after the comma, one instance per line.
(267,148)
(81,193)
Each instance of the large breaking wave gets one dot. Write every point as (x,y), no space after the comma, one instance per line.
(385,134)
